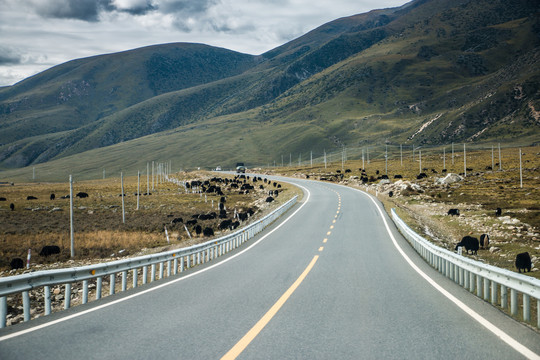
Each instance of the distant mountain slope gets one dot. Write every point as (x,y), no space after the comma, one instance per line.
(83,91)
(432,71)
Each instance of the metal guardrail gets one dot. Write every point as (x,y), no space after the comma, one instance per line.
(174,260)
(477,277)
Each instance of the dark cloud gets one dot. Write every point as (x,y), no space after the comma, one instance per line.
(187,7)
(141,10)
(9,57)
(90,10)
(87,10)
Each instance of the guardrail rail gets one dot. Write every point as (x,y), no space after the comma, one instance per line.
(170,262)
(482,279)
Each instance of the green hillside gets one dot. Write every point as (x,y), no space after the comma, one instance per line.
(430,72)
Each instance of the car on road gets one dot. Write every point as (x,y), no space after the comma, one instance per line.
(240,167)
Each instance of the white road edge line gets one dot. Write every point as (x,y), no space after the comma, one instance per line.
(523,350)
(39,327)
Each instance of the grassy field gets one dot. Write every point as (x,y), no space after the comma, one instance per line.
(99,232)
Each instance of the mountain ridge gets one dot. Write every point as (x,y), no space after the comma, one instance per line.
(464,60)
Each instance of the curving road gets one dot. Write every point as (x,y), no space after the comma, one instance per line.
(331,280)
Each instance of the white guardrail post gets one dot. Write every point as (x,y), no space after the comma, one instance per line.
(189,257)
(479,278)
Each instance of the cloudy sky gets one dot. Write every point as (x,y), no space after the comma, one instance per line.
(38,34)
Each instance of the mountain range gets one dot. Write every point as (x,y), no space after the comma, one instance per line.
(429,72)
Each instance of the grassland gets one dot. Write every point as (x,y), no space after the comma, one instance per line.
(99,232)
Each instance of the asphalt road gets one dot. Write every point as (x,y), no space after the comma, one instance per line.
(325,282)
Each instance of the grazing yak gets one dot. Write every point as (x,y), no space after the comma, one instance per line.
(470,243)
(225,224)
(177,220)
(30,197)
(269,199)
(498,212)
(83,195)
(243,216)
(453,212)
(12,206)
(208,231)
(16,263)
(484,241)
(49,250)
(52,197)
(523,261)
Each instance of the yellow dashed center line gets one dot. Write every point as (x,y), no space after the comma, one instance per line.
(328,233)
(325,240)
(321,248)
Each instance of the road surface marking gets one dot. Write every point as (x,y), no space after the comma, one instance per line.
(325,240)
(328,233)
(255,330)
(321,248)
(513,343)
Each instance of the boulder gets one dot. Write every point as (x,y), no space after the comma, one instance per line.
(448,179)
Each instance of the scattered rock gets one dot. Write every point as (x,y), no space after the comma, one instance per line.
(448,179)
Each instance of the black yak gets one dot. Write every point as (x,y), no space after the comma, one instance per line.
(453,212)
(225,224)
(16,263)
(523,261)
(49,250)
(470,243)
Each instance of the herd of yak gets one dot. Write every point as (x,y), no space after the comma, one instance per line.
(523,260)
(228,220)
(241,183)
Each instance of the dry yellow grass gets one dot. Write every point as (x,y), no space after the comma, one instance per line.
(98,228)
